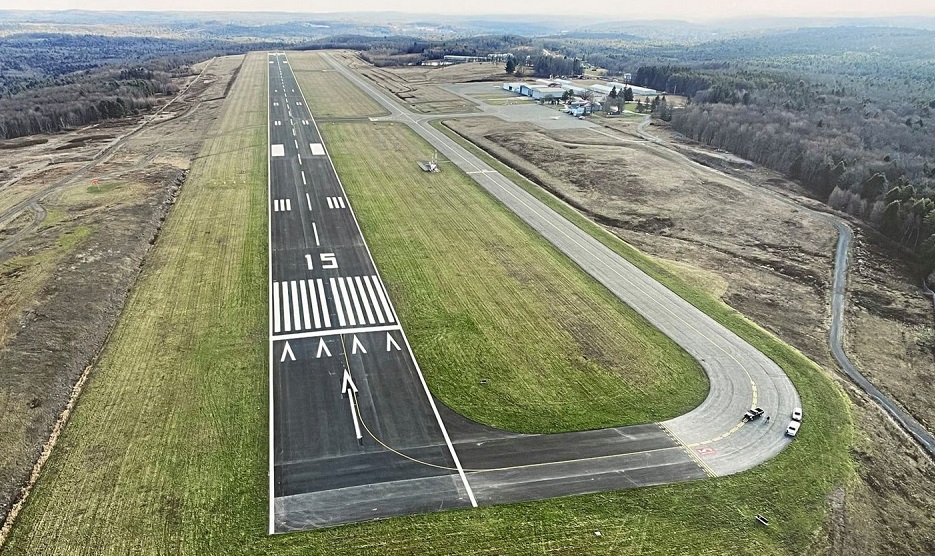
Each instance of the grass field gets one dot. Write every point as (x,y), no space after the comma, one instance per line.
(482,296)
(166,452)
(328,92)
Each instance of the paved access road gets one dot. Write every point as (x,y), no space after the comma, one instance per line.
(355,433)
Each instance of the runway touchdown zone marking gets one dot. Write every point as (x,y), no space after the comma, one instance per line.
(336,203)
(282,205)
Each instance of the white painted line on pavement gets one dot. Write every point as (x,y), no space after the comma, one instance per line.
(315,230)
(317,149)
(324,304)
(335,332)
(296,143)
(363,299)
(271,526)
(341,201)
(303,177)
(314,299)
(295,307)
(373,299)
(349,312)
(277,326)
(293,134)
(288,204)
(337,303)
(277,150)
(330,203)
(300,160)
(305,316)
(386,306)
(287,321)
(353,290)
(308,200)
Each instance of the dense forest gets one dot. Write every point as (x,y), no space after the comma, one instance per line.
(50,82)
(849,115)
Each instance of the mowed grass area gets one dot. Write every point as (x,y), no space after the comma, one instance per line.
(483,296)
(166,450)
(330,94)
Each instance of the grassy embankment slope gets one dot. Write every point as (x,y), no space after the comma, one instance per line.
(167,450)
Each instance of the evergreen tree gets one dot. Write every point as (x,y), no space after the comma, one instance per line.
(613,93)
(510,65)
(628,94)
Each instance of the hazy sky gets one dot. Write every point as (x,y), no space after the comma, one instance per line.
(693,9)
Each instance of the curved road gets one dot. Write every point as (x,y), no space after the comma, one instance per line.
(741,377)
(839,291)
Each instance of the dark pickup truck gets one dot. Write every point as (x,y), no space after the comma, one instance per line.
(753,414)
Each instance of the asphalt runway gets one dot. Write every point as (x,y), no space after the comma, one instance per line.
(330,315)
(355,433)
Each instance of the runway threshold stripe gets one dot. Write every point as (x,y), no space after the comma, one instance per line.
(341,201)
(306,318)
(287,321)
(297,317)
(288,204)
(277,326)
(363,300)
(313,297)
(337,303)
(330,203)
(354,298)
(386,305)
(325,314)
(373,300)
(349,313)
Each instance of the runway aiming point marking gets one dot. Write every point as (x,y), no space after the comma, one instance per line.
(317,149)
(277,150)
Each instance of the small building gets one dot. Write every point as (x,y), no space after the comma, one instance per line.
(580,108)
(499,57)
(464,59)
(540,92)
(513,87)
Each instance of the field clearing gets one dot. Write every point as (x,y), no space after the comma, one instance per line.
(482,296)
(416,87)
(342,98)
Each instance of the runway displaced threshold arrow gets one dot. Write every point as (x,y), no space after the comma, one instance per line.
(350,389)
